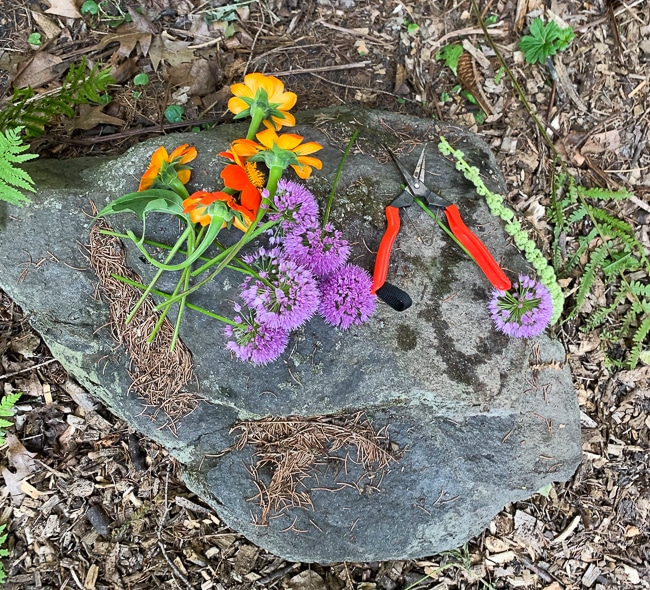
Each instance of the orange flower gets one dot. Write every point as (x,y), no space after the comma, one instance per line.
(293,143)
(274,100)
(243,175)
(197,206)
(161,162)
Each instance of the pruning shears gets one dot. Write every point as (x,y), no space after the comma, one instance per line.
(417,189)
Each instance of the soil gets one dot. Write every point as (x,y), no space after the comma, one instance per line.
(104,508)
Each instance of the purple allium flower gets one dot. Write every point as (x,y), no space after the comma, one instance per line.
(320,250)
(287,294)
(346,298)
(253,340)
(296,207)
(524,311)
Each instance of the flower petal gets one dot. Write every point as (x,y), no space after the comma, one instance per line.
(308,148)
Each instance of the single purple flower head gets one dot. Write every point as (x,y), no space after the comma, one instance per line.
(295,207)
(285,296)
(254,341)
(524,311)
(320,250)
(346,298)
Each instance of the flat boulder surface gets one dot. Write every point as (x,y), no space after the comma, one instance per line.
(475,419)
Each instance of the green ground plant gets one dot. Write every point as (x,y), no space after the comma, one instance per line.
(609,249)
(32,111)
(12,178)
(544,41)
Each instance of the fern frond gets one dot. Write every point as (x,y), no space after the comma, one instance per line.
(578,215)
(600,315)
(638,339)
(603,194)
(595,262)
(583,245)
(6,409)
(11,177)
(8,402)
(33,112)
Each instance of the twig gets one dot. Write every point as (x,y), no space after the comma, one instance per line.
(27,369)
(359,64)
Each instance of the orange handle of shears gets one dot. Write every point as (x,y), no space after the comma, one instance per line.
(385,247)
(477,249)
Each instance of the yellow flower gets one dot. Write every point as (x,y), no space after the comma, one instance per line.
(291,142)
(266,93)
(161,161)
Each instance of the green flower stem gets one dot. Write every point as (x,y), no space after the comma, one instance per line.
(258,114)
(444,227)
(275,174)
(330,198)
(206,242)
(182,281)
(222,255)
(179,188)
(167,295)
(227,256)
(188,231)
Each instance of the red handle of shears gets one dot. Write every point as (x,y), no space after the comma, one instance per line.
(385,247)
(477,249)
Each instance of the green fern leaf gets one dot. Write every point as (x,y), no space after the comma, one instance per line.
(603,194)
(11,177)
(8,402)
(638,339)
(595,262)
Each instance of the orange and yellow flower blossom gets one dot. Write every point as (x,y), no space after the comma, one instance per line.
(293,143)
(197,206)
(244,176)
(161,161)
(277,102)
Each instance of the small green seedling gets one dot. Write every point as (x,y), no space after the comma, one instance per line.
(411,28)
(544,41)
(174,113)
(89,7)
(35,40)
(450,55)
(141,80)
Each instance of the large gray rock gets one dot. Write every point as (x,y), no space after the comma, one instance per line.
(456,396)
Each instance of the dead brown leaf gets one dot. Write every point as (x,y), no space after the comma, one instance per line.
(50,29)
(172,51)
(22,461)
(65,8)
(127,41)
(91,116)
(43,68)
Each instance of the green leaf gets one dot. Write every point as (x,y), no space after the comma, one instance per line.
(141,79)
(34,39)
(544,41)
(89,7)
(149,201)
(450,54)
(545,490)
(174,113)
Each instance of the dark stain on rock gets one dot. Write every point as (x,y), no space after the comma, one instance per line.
(407,337)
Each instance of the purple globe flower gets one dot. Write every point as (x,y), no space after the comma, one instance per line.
(285,296)
(295,207)
(320,250)
(255,341)
(346,298)
(524,311)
